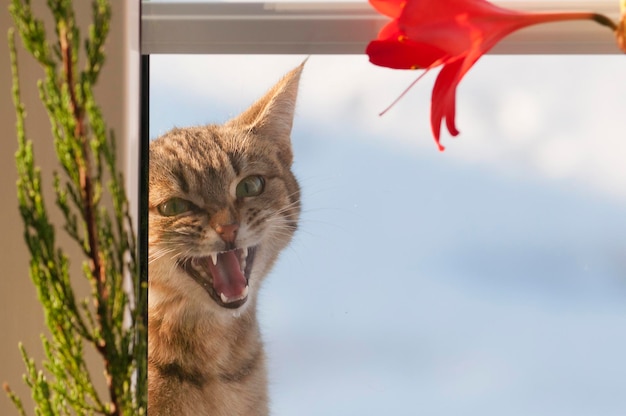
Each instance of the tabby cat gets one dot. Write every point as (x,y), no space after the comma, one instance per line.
(223,203)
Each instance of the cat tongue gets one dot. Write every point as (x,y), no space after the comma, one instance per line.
(228,279)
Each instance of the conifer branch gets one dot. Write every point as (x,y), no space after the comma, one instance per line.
(92,199)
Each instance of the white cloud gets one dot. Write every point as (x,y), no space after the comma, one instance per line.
(558,157)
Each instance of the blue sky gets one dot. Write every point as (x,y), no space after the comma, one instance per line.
(489,279)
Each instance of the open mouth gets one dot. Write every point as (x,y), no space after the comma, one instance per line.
(223,275)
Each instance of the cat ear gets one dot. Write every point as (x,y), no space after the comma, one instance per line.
(272,115)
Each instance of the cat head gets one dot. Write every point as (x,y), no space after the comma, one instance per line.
(223,203)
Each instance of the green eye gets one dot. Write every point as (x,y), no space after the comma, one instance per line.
(174,206)
(250,186)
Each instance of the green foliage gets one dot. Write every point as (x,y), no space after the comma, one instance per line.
(91,196)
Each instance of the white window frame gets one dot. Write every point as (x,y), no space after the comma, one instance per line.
(340,28)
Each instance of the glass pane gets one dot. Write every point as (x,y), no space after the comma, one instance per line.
(488,279)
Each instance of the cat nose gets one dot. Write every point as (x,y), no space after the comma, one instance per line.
(228,232)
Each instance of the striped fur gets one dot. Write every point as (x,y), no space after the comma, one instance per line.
(206,359)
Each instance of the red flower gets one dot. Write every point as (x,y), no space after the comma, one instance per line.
(454,33)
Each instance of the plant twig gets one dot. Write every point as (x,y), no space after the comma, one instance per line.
(87,153)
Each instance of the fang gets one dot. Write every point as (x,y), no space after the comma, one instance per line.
(226,300)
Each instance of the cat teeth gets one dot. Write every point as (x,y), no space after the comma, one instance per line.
(226,299)
(244,256)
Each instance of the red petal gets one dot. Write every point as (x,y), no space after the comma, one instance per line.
(429,11)
(457,25)
(391,31)
(403,55)
(391,8)
(443,102)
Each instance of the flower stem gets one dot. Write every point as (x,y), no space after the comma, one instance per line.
(604,21)
(549,17)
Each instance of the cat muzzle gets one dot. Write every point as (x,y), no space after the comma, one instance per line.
(223,275)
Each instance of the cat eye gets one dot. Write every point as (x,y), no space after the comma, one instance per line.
(250,186)
(174,206)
